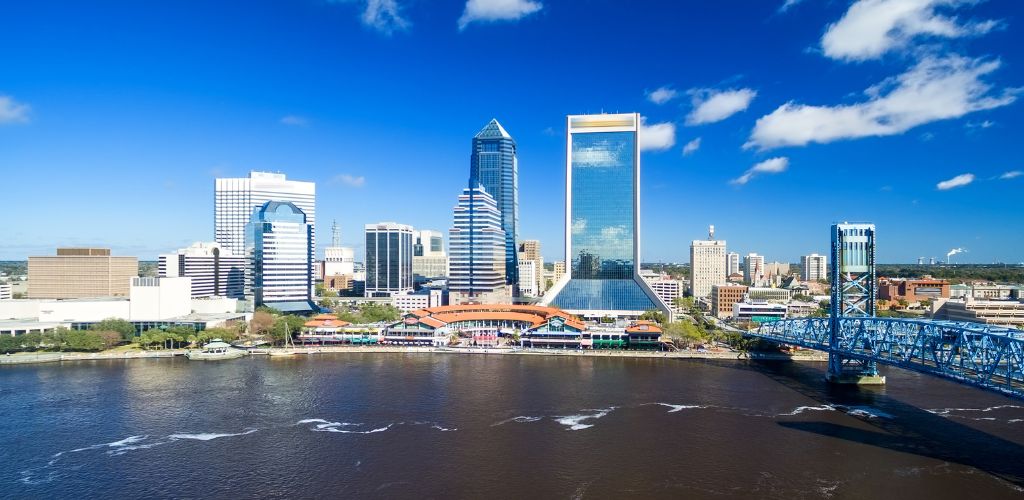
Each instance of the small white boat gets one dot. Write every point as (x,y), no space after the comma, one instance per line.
(216,349)
(289,346)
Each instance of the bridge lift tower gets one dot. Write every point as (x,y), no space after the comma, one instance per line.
(854,292)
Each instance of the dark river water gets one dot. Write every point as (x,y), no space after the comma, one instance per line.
(492,426)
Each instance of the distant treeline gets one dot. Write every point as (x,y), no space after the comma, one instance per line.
(999,273)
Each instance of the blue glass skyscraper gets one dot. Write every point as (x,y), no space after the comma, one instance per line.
(493,165)
(602,237)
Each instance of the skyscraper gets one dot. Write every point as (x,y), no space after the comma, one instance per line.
(477,251)
(707,264)
(732,264)
(602,223)
(753,269)
(235,199)
(493,164)
(388,259)
(530,249)
(279,243)
(814,267)
(214,271)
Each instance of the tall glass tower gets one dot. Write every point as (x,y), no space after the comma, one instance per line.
(494,166)
(602,221)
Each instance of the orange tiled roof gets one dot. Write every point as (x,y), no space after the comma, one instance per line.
(534,315)
(644,326)
(332,322)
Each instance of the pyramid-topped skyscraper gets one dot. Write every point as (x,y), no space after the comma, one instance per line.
(494,166)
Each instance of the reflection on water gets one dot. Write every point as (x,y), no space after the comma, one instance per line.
(437,425)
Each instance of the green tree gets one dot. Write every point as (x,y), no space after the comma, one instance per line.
(286,325)
(261,324)
(653,315)
(121,326)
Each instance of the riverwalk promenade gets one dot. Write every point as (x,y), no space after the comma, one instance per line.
(57,357)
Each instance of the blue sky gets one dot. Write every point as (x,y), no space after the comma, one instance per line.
(115,117)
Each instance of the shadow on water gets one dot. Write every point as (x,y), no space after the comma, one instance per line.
(915,431)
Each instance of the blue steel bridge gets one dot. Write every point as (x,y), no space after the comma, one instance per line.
(975,354)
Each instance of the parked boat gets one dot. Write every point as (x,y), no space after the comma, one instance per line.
(289,346)
(216,349)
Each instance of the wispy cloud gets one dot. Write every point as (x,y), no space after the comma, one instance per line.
(12,111)
(981,124)
(497,10)
(657,136)
(711,105)
(295,121)
(384,16)
(788,4)
(870,28)
(691,147)
(356,181)
(662,95)
(934,89)
(770,166)
(958,181)
(1013,174)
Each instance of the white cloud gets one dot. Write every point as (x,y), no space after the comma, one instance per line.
(789,4)
(384,16)
(1013,174)
(983,124)
(870,28)
(12,111)
(656,137)
(662,95)
(349,180)
(960,180)
(710,105)
(497,10)
(934,89)
(691,147)
(770,166)
(294,120)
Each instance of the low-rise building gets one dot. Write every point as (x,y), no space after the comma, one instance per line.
(723,297)
(421,299)
(986,291)
(758,311)
(666,288)
(912,290)
(1008,313)
(769,294)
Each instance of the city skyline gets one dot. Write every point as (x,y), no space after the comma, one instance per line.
(131,141)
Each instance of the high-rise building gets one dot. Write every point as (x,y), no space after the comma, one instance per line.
(707,264)
(815,267)
(602,224)
(477,245)
(732,264)
(493,164)
(753,269)
(215,271)
(530,249)
(429,259)
(558,269)
(236,199)
(279,244)
(388,259)
(338,260)
(528,283)
(76,273)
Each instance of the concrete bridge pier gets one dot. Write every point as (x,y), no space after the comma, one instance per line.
(846,371)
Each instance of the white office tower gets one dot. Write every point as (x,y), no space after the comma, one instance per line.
(388,259)
(477,242)
(732,264)
(280,248)
(528,276)
(338,260)
(429,260)
(214,270)
(707,264)
(815,267)
(753,269)
(235,199)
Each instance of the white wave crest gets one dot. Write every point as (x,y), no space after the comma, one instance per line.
(343,431)
(518,420)
(575,422)
(207,436)
(865,411)
(676,408)
(801,409)
(443,429)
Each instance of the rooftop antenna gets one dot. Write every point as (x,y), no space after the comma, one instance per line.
(711,232)
(335,234)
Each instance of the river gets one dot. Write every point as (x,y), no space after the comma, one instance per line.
(376,425)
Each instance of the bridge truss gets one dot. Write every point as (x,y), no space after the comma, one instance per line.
(979,355)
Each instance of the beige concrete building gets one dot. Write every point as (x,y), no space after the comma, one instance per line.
(530,250)
(1008,313)
(80,273)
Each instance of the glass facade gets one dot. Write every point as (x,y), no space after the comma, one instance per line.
(389,252)
(602,168)
(494,166)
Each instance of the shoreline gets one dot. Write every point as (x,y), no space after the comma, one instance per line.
(56,357)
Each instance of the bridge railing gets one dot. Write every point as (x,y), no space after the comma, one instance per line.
(981,355)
